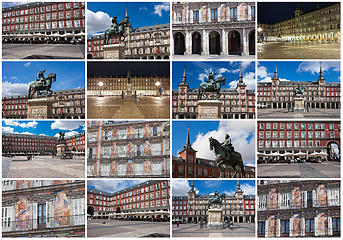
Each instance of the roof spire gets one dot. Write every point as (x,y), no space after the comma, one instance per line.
(240,74)
(188,142)
(320,71)
(126,13)
(238,185)
(275,73)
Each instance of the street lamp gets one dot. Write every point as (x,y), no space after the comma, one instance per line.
(157,86)
(101,84)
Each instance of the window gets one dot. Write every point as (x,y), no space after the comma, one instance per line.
(41,216)
(233,13)
(195,16)
(336,225)
(261,228)
(309,226)
(214,14)
(285,227)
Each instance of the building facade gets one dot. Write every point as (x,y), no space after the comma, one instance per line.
(151,42)
(309,208)
(44,22)
(128,85)
(317,94)
(76,144)
(238,103)
(238,208)
(206,28)
(322,24)
(69,104)
(280,141)
(128,149)
(187,165)
(147,200)
(28,144)
(43,208)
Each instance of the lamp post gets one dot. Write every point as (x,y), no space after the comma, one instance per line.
(157,86)
(100,85)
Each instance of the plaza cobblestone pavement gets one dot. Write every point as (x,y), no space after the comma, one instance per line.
(193,230)
(43,167)
(128,108)
(197,57)
(43,51)
(129,229)
(299,170)
(313,113)
(312,50)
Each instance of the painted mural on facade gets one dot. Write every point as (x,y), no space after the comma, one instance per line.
(322,195)
(296,197)
(271,226)
(130,152)
(296,225)
(147,167)
(114,152)
(130,132)
(23,184)
(243,10)
(147,148)
(146,130)
(273,199)
(129,168)
(115,133)
(22,214)
(113,168)
(62,209)
(322,224)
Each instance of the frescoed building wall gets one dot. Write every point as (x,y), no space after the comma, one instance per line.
(43,208)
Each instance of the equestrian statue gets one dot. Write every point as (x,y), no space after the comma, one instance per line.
(299,91)
(41,84)
(117,30)
(211,85)
(216,199)
(225,155)
(61,137)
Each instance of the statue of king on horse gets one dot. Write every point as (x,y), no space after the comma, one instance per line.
(41,84)
(225,155)
(216,200)
(211,85)
(118,30)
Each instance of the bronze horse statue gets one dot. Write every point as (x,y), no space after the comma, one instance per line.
(211,87)
(234,159)
(44,85)
(117,31)
(216,199)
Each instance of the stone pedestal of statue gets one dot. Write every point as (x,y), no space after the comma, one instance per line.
(299,104)
(39,108)
(215,219)
(114,51)
(209,109)
(61,149)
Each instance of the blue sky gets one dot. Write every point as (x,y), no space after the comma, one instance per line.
(48,128)
(16,76)
(242,135)
(141,14)
(298,71)
(207,187)
(197,72)
(112,185)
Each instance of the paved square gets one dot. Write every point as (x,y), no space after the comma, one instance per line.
(128,108)
(193,230)
(130,229)
(299,170)
(43,167)
(43,51)
(303,50)
(313,113)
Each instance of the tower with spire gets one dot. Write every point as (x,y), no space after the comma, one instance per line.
(240,83)
(321,79)
(239,191)
(298,12)
(188,154)
(183,86)
(275,79)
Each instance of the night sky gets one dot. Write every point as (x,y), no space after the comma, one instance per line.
(121,68)
(273,12)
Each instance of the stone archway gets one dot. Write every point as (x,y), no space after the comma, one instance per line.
(196,43)
(252,42)
(214,43)
(90,210)
(179,43)
(235,43)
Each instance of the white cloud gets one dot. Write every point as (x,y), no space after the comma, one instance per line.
(181,188)
(314,67)
(25,124)
(143,8)
(14,89)
(248,189)
(248,79)
(68,134)
(97,22)
(67,125)
(27,64)
(161,7)
(239,132)
(112,185)
(28,133)
(264,76)
(7,130)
